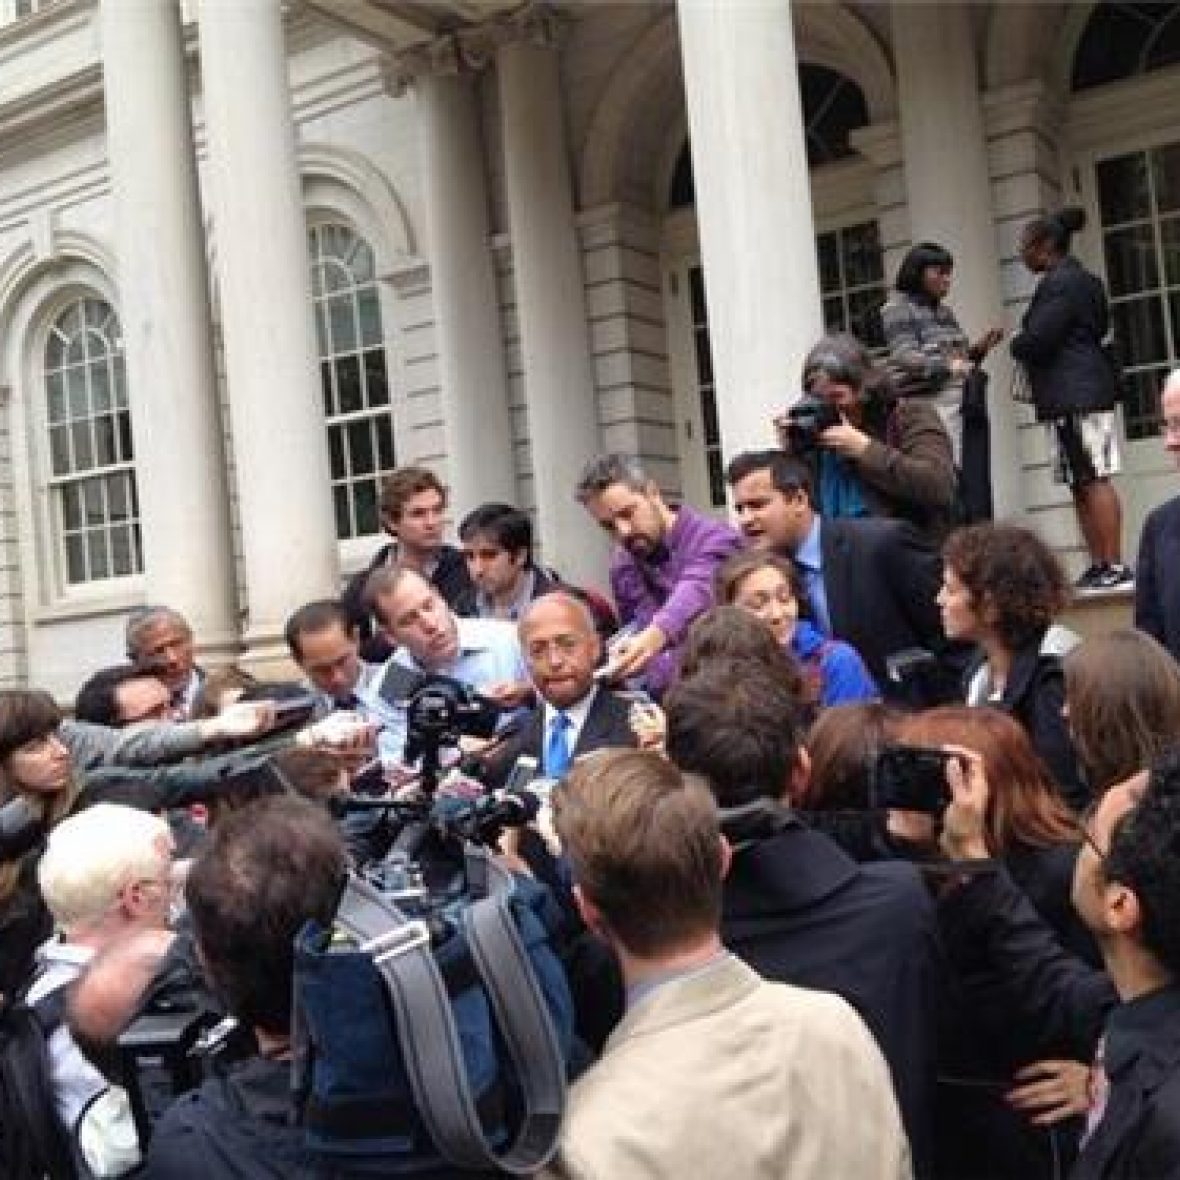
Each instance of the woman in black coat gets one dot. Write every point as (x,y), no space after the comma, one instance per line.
(1073,386)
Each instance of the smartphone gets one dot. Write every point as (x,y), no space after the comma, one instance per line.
(911,778)
(524,770)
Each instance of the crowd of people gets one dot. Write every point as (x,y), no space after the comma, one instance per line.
(858,861)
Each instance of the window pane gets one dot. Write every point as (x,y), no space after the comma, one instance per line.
(55,350)
(1130,260)
(1165,163)
(83,449)
(1122,188)
(104,441)
(1139,329)
(862,255)
(340,313)
(55,389)
(321,329)
(348,384)
(326,385)
(385,452)
(92,502)
(336,452)
(76,384)
(340,504)
(360,261)
(118,506)
(71,506)
(834,320)
(96,549)
(120,381)
(827,250)
(126,452)
(360,447)
(75,558)
(1170,241)
(376,384)
(122,551)
(365,502)
(59,449)
(369,312)
(1141,409)
(100,387)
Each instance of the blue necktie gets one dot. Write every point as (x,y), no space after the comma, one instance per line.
(557,747)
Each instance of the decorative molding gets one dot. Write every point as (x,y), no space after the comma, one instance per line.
(51,103)
(42,226)
(879,143)
(472,49)
(411,277)
(1022,107)
(1134,106)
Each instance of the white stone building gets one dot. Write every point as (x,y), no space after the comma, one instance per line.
(254,253)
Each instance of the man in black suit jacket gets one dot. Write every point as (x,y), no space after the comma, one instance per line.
(562,648)
(872,582)
(1157,574)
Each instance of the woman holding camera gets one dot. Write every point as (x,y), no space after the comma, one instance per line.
(870,452)
(1002,588)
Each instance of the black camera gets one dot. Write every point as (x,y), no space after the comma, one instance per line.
(911,778)
(440,711)
(807,419)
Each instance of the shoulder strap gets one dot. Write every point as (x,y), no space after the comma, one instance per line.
(426,1025)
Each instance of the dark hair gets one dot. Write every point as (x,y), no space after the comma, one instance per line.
(739,733)
(504,525)
(25,716)
(644,846)
(403,484)
(1123,691)
(604,471)
(266,871)
(917,261)
(1013,572)
(1057,229)
(733,636)
(843,744)
(787,474)
(97,699)
(312,618)
(1145,857)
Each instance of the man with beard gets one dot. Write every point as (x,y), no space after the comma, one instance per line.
(662,569)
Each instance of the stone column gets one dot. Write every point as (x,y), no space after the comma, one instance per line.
(558,377)
(164,312)
(272,369)
(944,151)
(470,346)
(753,203)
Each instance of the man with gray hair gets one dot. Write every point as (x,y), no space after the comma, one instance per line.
(1157,574)
(160,643)
(662,569)
(106,875)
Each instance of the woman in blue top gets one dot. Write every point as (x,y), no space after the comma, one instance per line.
(769,586)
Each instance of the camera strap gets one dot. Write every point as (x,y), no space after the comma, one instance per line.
(426,1027)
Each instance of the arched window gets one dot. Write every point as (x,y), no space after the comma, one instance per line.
(1124,39)
(353,373)
(91,451)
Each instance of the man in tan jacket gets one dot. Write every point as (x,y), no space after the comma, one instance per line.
(713,1072)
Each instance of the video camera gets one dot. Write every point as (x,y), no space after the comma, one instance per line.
(806,420)
(440,711)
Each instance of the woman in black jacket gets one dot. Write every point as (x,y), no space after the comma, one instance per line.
(1002,588)
(1073,386)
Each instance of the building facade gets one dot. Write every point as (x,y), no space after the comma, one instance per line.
(253,255)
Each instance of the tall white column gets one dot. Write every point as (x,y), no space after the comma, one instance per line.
(164,312)
(551,304)
(470,345)
(280,444)
(944,151)
(753,204)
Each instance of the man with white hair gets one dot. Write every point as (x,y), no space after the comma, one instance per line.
(160,643)
(106,874)
(1157,575)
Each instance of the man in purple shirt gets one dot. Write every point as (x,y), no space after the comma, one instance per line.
(662,569)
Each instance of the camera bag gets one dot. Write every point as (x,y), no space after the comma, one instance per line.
(439,1043)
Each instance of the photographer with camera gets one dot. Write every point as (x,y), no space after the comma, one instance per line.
(794,906)
(870,452)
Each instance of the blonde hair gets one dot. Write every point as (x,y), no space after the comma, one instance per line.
(92,856)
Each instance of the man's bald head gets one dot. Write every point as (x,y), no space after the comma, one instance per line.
(561,645)
(1170,406)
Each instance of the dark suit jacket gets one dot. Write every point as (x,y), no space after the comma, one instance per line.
(606,727)
(881,579)
(450,578)
(1157,576)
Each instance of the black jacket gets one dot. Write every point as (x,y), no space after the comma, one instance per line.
(1139,1135)
(450,578)
(1157,576)
(1060,343)
(1034,695)
(881,580)
(799,911)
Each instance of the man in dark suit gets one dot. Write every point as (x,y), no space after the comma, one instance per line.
(871,582)
(574,715)
(1157,575)
(413,513)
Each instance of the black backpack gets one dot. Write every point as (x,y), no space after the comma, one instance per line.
(32,1142)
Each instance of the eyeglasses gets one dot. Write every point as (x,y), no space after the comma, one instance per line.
(1084,820)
